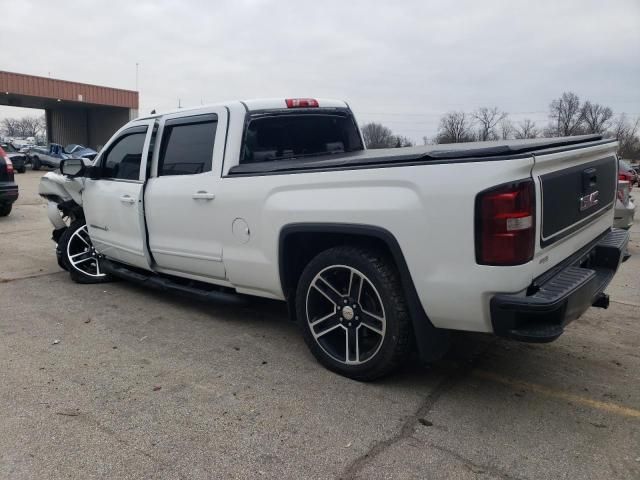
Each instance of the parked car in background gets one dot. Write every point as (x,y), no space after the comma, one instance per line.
(52,156)
(626,173)
(8,188)
(625,208)
(47,156)
(18,159)
(80,151)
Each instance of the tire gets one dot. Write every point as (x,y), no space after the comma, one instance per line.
(22,170)
(60,258)
(353,295)
(35,163)
(5,209)
(82,268)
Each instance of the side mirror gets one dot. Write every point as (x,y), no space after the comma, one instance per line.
(72,167)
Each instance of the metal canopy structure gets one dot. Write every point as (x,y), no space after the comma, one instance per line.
(75,112)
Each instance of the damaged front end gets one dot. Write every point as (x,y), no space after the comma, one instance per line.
(64,200)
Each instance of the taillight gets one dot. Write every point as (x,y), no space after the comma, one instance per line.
(624,176)
(9,165)
(505,224)
(624,189)
(302,103)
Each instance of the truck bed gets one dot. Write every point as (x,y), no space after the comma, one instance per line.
(427,154)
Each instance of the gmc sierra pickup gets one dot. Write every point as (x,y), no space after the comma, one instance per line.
(375,251)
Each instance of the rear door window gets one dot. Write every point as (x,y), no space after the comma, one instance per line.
(187,145)
(271,137)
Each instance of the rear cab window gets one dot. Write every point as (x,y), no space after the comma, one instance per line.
(286,135)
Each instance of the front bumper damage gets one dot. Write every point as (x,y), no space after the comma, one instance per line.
(561,295)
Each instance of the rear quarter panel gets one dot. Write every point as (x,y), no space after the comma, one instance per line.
(428,208)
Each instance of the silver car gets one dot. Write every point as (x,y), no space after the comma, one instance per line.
(625,208)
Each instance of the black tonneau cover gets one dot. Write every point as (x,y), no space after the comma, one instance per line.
(443,153)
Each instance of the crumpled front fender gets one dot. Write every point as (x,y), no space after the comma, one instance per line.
(54,184)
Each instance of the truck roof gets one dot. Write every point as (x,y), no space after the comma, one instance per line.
(256,104)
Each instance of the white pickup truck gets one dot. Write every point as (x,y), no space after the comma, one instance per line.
(375,251)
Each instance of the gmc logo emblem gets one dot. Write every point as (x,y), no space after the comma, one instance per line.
(589,201)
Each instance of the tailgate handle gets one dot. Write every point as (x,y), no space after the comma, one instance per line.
(589,179)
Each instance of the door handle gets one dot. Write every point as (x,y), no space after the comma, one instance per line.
(202,195)
(127,199)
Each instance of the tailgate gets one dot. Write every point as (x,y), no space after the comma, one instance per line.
(577,192)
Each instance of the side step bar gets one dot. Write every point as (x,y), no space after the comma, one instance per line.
(192,288)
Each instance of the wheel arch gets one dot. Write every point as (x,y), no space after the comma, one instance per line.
(300,242)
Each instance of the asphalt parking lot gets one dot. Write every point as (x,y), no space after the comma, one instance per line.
(115,381)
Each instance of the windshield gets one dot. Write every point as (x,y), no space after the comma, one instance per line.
(624,164)
(286,136)
(71,148)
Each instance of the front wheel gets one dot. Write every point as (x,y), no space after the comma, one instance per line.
(353,313)
(78,256)
(35,163)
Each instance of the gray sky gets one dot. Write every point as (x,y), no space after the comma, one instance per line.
(402,63)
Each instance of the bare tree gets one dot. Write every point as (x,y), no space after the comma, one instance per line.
(402,141)
(23,127)
(31,126)
(566,115)
(377,135)
(626,132)
(488,119)
(597,118)
(455,127)
(11,127)
(506,129)
(526,129)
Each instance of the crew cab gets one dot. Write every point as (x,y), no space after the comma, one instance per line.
(374,251)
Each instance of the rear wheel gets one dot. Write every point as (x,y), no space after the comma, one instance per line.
(22,169)
(353,313)
(5,209)
(78,256)
(35,163)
